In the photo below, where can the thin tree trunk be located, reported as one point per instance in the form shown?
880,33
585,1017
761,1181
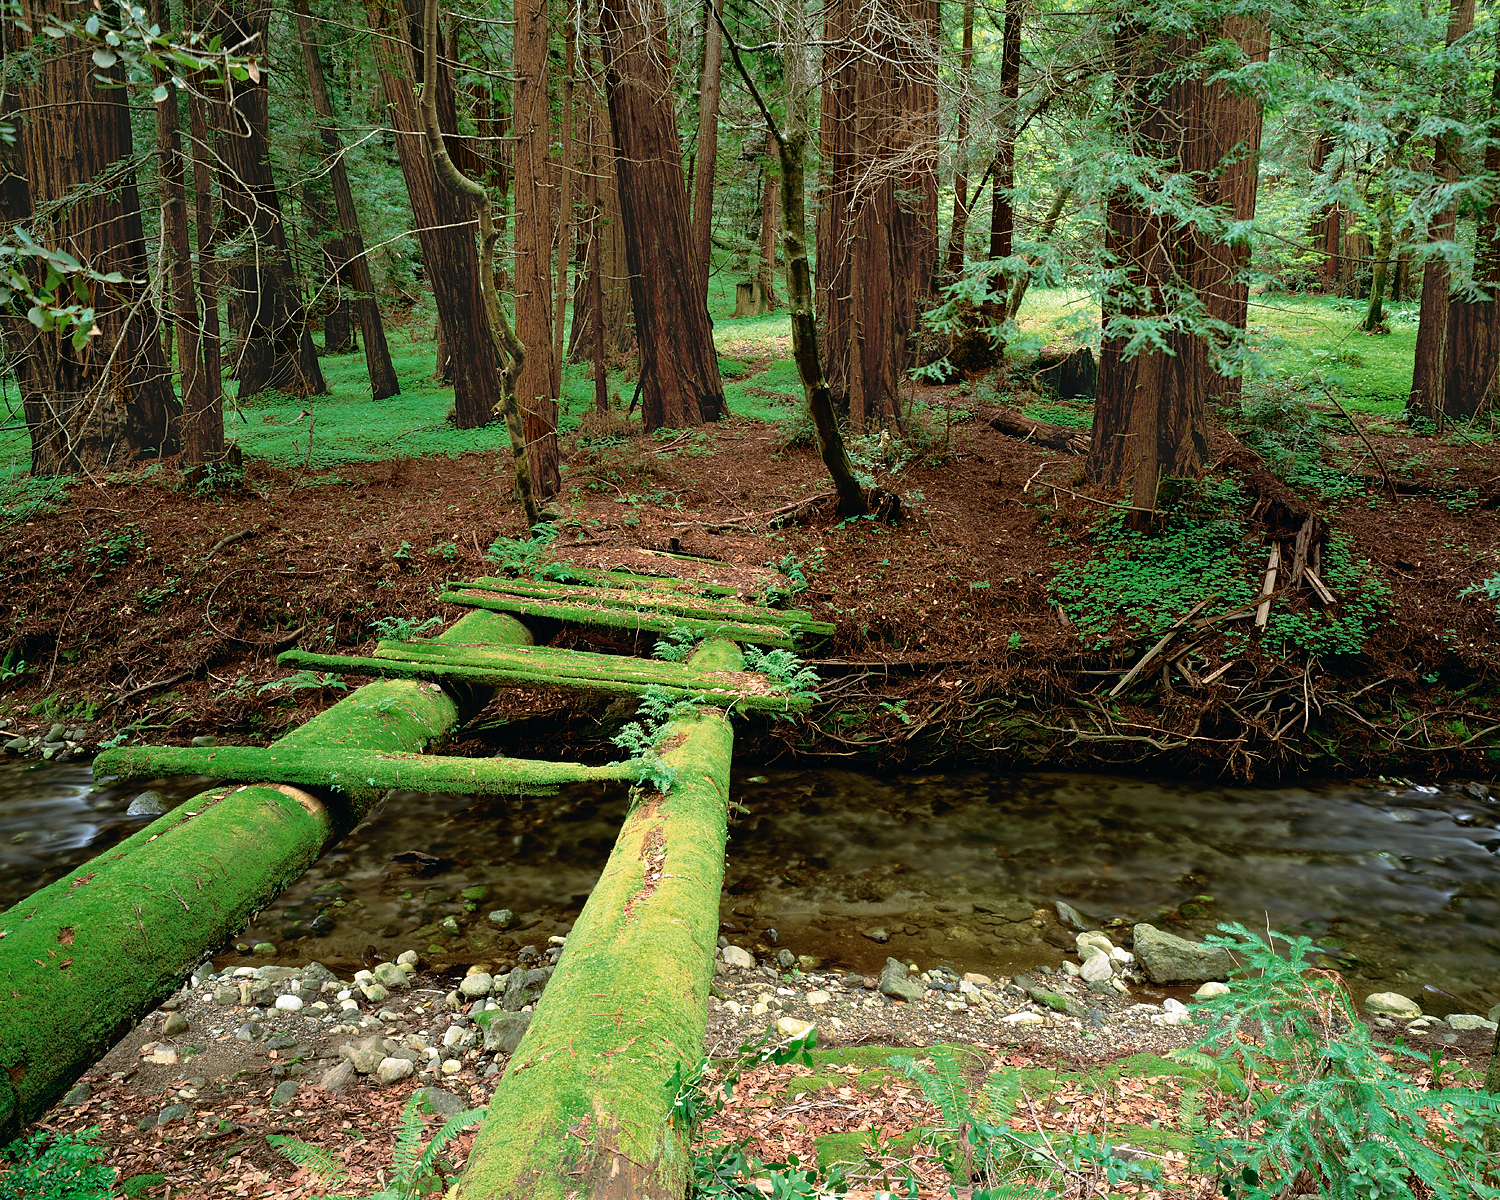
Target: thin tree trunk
1324,231
202,422
1002,212
770,220
708,145
614,270
108,402
533,245
565,220
680,384
206,231
1374,321
445,224
1428,396
382,372
958,231
274,348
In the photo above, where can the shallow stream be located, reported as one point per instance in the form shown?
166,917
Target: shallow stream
1398,883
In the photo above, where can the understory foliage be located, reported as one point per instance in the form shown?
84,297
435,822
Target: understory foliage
415,1172
1314,1097
65,1167
788,672
1294,439
532,558
659,707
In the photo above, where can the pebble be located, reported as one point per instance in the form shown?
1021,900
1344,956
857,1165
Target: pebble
1023,1018
878,934
285,1092
896,982
1212,988
818,996
407,958
481,984
786,960
391,976
791,1027
1097,968
392,1070
736,956
452,1066
174,1024
289,1003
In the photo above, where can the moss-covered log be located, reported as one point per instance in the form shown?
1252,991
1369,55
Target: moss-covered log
665,603
361,774
582,1110
82,960
572,670
603,617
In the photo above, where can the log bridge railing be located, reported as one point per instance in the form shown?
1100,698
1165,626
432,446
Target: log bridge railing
582,1109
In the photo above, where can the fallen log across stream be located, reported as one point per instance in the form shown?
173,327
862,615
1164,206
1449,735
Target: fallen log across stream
583,1107
85,958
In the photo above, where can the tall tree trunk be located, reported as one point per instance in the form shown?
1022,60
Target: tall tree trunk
1428,396
708,145
110,401
877,232
533,246
352,262
1325,230
202,422
1473,357
446,225
1149,419
958,230
1233,177
614,267
680,384
206,231
1002,212
1374,321
565,226
770,221
274,348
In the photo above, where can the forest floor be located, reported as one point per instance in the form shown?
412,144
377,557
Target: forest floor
997,618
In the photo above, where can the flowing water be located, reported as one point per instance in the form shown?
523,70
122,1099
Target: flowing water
1398,883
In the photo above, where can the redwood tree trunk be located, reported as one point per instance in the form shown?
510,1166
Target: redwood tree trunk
1325,231
1002,213
110,402
206,231
446,226
680,384
1473,357
770,222
612,272
877,230
1430,369
354,267
533,245
1149,418
274,348
708,145
958,230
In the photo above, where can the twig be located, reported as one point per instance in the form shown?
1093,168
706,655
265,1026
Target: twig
1379,462
57,645
229,540
1135,671
151,687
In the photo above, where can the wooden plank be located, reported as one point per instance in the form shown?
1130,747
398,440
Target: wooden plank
627,619
1273,564
686,606
751,694
356,771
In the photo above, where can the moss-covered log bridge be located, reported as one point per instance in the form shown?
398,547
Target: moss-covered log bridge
582,1110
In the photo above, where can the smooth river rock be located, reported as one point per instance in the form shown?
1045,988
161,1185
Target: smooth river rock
738,956
898,983
1393,1003
1167,958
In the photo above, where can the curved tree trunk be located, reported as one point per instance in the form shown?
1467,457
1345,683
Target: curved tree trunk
680,384
110,401
446,225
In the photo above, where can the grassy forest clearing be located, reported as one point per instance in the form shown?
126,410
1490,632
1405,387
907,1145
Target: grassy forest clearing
696,600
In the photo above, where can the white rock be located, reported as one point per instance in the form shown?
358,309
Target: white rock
344,994
363,976
554,940
1393,1003
407,958
1119,986
1213,988
1022,1018
348,1006
1173,1006
289,1003
393,1069
452,1066
1122,956
1471,1021
1097,968
818,996
163,1056
955,1006
1070,968
733,1006
736,956
481,984
977,979
243,972
790,1027
1095,939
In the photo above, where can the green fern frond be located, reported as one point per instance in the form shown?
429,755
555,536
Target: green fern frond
408,1146
317,1159
452,1127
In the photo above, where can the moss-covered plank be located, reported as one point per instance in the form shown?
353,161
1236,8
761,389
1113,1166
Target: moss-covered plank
643,601
358,772
611,618
82,960
737,690
657,583
582,1110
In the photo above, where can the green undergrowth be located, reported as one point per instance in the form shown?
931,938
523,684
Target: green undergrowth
64,1167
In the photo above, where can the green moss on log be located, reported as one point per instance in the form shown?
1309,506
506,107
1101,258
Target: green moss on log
583,1108
358,773
613,618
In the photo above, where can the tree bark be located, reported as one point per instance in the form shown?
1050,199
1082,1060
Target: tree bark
352,260
137,919
1374,321
446,225
613,278
1002,212
708,145
680,384
533,245
273,347
565,225
573,1116
877,231
206,231
958,230
770,220
1324,233
1149,419
1473,357
110,402
202,415
1430,369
